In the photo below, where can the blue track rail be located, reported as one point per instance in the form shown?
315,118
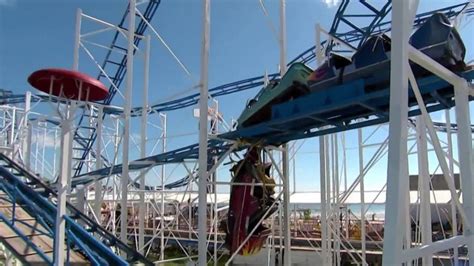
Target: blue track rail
216,148
307,56
82,233
340,108
357,35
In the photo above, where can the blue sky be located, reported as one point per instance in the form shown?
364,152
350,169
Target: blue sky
40,34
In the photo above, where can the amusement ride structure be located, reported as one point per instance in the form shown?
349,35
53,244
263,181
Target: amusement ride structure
83,199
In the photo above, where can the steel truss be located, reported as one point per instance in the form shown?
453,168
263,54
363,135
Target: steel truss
114,182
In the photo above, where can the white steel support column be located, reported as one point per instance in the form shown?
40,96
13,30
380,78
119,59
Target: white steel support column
362,196
27,132
98,165
322,176
12,140
163,174
143,141
29,144
203,109
77,40
80,198
424,188
126,129
397,174
65,174
466,170
328,203
319,55
285,157
454,218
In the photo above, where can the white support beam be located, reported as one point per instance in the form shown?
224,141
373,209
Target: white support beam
466,166
362,196
454,218
163,119
64,176
415,253
324,200
397,174
27,132
143,142
424,188
77,40
126,128
285,157
203,136
434,67
98,164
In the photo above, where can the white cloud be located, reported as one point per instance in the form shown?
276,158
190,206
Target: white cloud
329,3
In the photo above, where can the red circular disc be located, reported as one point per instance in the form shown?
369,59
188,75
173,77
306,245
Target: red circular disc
68,84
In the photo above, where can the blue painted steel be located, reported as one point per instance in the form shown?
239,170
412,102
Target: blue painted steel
335,109
39,206
357,35
28,242
306,56
103,253
215,148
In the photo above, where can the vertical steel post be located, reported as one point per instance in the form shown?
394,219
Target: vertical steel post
337,211
77,40
12,136
362,196
143,140
27,132
163,173
397,173
322,176
285,157
126,128
203,108
466,170
98,164
80,198
66,149
329,215
454,218
424,187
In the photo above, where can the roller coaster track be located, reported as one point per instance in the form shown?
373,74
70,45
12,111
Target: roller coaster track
353,37
29,219
85,134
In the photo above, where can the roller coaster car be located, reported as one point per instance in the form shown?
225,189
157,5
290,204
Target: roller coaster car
292,85
249,204
437,38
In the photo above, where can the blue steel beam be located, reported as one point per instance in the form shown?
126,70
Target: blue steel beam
319,113
24,184
326,112
216,148
306,56
378,26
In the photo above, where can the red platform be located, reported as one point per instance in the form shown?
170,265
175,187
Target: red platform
67,83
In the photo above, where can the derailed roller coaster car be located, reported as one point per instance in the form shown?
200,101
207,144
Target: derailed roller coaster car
249,204
436,37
